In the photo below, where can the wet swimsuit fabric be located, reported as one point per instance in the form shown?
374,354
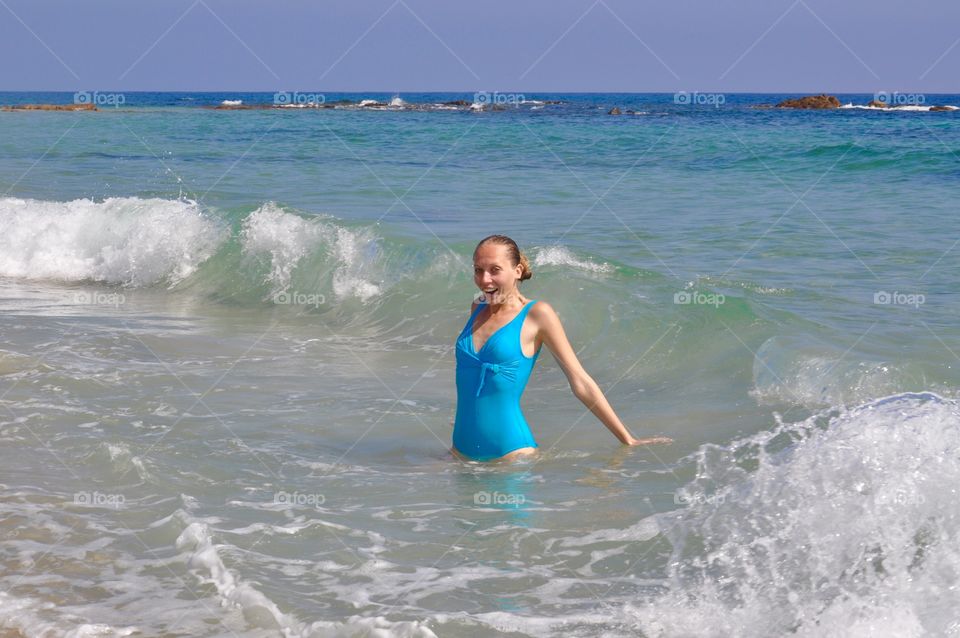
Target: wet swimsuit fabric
489,422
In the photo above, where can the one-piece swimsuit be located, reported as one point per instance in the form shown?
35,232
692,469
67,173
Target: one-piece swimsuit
489,422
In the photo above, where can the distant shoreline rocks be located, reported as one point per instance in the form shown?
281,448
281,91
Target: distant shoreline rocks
821,101
824,101
484,104
50,107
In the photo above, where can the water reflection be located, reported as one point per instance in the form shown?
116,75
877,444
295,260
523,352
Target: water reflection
497,495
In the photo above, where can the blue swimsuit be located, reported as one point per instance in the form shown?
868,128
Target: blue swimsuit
489,422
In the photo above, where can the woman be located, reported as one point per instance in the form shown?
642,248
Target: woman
496,352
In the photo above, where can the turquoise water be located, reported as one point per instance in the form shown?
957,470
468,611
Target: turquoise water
227,371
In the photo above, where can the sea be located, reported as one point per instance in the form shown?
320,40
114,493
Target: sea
227,367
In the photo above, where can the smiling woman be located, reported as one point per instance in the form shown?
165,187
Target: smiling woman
491,378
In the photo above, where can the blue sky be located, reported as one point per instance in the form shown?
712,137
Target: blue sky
498,45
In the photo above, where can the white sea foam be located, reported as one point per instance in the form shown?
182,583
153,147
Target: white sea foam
842,529
287,239
562,256
130,241
916,108
31,617
260,611
232,102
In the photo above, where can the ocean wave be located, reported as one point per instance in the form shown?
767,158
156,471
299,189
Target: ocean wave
31,617
285,259
285,239
137,242
130,241
563,256
233,591
803,371
179,244
833,526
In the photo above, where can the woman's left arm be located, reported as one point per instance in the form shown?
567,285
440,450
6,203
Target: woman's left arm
582,384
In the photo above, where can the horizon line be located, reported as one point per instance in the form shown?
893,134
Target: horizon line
468,91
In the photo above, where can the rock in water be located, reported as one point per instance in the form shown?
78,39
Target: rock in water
821,101
51,107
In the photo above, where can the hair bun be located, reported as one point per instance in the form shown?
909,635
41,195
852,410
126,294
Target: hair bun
525,264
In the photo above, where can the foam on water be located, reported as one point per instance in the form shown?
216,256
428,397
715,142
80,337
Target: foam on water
840,525
127,240
29,617
914,108
260,611
563,256
286,240
146,242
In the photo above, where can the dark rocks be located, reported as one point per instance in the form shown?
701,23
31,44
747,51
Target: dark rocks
821,101
51,107
614,111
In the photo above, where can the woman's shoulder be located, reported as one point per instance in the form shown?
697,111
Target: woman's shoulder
542,309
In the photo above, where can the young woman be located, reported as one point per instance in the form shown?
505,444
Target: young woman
496,352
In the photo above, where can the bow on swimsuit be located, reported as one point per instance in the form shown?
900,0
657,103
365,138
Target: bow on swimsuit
489,422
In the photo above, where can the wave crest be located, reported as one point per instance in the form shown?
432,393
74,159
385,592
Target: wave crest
833,526
130,241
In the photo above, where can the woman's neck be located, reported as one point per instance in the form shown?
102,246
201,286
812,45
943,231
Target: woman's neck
511,301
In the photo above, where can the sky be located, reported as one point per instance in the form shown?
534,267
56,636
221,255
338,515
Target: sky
802,46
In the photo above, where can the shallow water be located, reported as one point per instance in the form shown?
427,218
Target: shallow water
227,391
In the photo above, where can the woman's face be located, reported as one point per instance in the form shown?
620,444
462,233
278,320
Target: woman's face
494,274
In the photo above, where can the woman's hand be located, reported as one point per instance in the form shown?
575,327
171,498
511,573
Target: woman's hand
653,440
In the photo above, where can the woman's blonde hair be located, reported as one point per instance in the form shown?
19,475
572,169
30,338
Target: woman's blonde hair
513,252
